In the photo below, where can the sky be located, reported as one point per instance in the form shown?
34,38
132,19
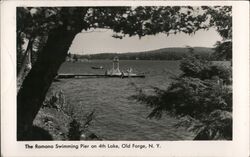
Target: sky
101,41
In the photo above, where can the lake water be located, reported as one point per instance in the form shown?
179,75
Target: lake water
116,116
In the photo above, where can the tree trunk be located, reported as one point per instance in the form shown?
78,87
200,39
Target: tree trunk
35,86
21,73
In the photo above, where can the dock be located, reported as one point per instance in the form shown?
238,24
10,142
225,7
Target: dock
67,76
114,72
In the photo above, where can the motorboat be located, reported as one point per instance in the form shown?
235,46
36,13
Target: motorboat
97,67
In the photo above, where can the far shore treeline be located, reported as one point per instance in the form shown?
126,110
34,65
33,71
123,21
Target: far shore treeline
173,53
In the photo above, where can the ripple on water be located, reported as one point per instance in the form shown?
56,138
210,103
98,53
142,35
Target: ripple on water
116,116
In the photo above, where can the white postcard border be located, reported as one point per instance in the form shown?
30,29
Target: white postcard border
237,147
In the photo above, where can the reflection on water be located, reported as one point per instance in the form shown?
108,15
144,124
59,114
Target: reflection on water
117,117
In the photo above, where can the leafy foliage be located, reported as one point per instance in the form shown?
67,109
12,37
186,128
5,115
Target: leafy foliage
141,21
77,127
197,67
217,126
223,50
61,24
221,18
56,101
189,96
38,22
202,93
74,131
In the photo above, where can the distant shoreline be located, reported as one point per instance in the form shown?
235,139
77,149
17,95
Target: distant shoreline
196,47
159,54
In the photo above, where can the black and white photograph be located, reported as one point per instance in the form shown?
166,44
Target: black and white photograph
130,79
124,73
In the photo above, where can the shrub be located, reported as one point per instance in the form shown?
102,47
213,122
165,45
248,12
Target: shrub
57,101
189,96
80,131
74,133
201,93
196,67
223,50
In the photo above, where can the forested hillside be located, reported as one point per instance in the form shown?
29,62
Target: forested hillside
173,53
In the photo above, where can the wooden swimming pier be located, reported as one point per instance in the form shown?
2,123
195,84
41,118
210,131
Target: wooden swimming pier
114,72
67,76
